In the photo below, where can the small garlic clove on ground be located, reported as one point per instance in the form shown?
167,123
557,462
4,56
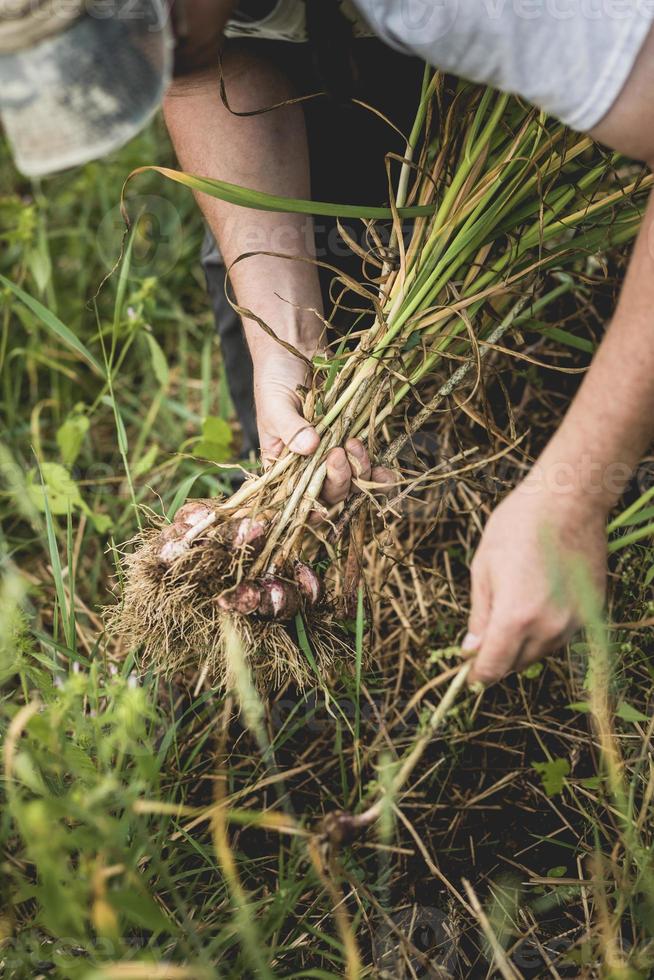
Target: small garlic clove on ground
339,827
308,582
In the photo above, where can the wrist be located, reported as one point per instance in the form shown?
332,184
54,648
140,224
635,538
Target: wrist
580,477
303,332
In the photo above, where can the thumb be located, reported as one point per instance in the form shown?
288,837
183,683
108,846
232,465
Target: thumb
281,423
480,609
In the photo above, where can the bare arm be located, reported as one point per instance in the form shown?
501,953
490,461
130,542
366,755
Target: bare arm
611,420
266,152
519,611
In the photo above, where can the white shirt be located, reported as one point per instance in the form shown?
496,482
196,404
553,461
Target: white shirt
568,57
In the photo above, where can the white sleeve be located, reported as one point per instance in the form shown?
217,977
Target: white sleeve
568,57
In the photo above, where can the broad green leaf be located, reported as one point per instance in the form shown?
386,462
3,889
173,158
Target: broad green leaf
70,436
53,324
215,429
216,441
557,872
101,522
63,495
62,491
26,772
627,712
591,782
533,671
552,774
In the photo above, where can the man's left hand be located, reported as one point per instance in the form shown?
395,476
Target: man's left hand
523,603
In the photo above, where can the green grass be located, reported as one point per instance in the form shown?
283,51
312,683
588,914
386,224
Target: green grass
149,830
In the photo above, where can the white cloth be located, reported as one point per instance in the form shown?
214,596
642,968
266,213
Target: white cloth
568,57
286,21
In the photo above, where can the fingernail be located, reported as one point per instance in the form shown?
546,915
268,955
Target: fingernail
471,642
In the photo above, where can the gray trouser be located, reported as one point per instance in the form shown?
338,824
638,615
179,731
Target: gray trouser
235,353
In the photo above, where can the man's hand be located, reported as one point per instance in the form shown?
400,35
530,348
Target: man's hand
277,377
519,611
522,604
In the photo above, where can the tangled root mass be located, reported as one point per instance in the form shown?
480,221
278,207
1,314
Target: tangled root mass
186,594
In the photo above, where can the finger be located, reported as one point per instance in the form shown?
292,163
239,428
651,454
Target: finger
317,516
480,610
339,475
535,649
305,440
389,478
532,651
358,459
500,648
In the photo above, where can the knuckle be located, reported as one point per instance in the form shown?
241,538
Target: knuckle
556,627
359,463
380,474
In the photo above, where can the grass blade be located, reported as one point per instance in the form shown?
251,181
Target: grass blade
247,198
53,324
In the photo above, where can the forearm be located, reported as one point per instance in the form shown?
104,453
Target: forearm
266,152
611,420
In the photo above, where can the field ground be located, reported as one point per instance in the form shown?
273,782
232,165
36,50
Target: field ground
118,859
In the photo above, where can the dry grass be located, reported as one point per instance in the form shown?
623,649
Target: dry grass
511,195
156,827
